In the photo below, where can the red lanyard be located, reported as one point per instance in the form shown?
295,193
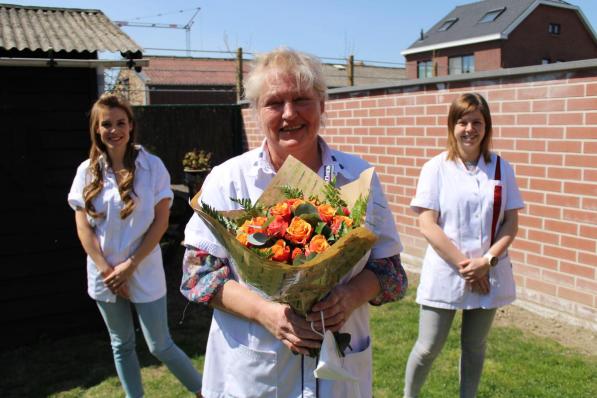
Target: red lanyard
497,199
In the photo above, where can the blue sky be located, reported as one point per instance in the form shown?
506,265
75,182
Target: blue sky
374,30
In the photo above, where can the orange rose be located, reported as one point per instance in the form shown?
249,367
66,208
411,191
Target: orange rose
294,203
277,227
318,244
299,231
243,238
281,209
295,252
326,212
280,251
337,222
253,225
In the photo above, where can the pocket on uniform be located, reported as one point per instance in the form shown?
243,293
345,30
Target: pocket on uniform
251,373
501,279
359,365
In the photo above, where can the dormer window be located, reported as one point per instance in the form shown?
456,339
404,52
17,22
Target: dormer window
447,25
554,28
492,15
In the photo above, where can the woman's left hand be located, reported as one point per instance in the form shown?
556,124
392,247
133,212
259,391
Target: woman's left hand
119,277
472,270
336,307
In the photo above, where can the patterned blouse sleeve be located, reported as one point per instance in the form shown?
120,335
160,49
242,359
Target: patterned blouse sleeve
203,275
392,279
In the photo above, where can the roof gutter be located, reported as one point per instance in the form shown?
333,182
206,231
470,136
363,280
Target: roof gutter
455,43
72,63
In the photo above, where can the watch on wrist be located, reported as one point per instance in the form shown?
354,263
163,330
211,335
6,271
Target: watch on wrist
491,259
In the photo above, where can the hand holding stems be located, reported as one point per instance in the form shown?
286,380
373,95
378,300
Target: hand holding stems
337,307
289,327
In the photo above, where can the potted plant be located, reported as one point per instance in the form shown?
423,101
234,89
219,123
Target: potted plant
196,165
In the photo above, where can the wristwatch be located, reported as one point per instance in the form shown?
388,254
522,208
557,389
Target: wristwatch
491,259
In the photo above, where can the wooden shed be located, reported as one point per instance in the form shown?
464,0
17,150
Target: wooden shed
50,75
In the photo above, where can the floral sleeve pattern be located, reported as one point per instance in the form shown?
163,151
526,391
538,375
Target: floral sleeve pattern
203,275
392,279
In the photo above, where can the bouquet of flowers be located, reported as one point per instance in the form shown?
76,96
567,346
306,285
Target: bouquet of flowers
300,237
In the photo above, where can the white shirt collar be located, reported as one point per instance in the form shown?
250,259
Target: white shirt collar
141,160
329,157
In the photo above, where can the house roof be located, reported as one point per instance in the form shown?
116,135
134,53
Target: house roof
61,29
214,71
186,71
467,28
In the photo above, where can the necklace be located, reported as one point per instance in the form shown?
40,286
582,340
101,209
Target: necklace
470,164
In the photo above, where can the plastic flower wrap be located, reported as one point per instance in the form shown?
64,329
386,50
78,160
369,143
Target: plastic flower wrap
300,237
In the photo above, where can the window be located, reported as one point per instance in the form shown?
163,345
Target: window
424,69
463,64
554,28
492,15
447,25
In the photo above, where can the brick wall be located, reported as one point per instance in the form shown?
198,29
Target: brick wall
545,125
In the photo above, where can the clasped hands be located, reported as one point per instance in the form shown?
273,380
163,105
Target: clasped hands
476,272
116,279
295,331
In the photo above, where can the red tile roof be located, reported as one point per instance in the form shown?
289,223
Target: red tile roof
192,71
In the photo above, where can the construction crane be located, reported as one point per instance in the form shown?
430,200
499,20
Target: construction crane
187,27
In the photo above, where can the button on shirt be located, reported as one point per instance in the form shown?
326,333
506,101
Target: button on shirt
248,175
118,238
464,200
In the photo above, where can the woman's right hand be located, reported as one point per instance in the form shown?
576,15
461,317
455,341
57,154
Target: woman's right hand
288,327
121,290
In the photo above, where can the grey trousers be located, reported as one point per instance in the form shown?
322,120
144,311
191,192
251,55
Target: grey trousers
434,326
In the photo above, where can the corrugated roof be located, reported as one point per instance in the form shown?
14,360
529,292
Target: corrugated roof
61,29
222,72
468,27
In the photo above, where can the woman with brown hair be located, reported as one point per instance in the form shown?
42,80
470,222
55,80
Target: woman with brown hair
121,196
467,201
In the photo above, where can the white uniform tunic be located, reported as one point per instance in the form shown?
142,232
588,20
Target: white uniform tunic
243,359
464,201
120,238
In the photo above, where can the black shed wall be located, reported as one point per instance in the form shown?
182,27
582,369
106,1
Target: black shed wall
44,135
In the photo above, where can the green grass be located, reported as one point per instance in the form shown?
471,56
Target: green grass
517,363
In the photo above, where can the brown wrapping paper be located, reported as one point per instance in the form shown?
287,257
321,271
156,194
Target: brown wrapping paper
303,285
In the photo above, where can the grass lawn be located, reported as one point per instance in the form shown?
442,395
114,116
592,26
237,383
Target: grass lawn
517,365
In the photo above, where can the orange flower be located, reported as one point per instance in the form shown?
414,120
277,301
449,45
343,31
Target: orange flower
243,238
318,244
295,252
326,212
281,209
337,222
277,227
294,203
299,231
280,251
253,225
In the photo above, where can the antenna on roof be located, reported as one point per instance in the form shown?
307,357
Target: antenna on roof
186,27
422,35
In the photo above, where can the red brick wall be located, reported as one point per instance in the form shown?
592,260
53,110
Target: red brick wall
545,125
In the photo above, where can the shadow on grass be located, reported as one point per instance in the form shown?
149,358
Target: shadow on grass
81,361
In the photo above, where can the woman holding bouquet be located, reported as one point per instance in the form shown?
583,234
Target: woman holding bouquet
121,196
469,229
257,347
